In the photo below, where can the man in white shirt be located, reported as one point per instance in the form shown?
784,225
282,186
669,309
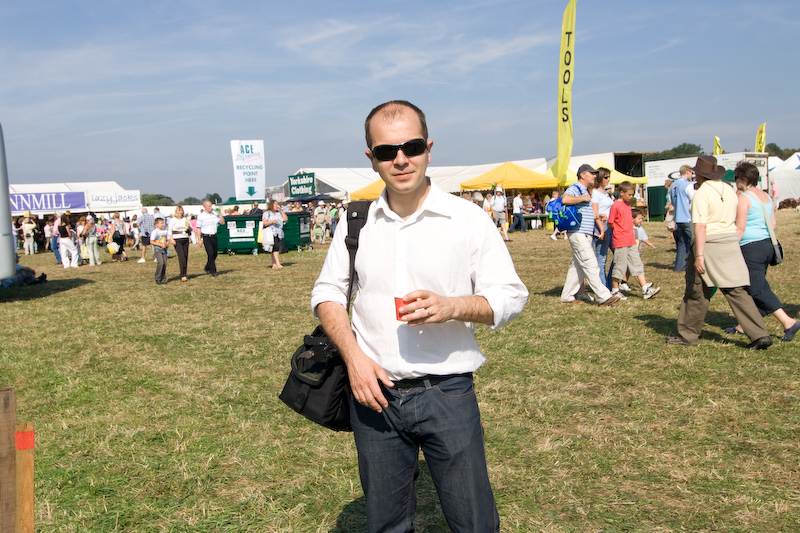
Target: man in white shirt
207,223
411,378
519,216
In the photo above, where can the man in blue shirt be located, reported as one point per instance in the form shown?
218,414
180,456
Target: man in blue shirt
680,194
147,223
584,260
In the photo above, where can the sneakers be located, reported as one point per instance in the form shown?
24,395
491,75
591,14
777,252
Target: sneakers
611,300
648,291
619,295
624,287
141,260
584,297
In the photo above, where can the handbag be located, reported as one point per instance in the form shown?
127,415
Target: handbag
777,257
318,386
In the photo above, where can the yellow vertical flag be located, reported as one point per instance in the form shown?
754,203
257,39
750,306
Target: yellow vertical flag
761,138
566,75
717,146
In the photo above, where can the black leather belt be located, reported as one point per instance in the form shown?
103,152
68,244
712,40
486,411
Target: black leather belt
426,381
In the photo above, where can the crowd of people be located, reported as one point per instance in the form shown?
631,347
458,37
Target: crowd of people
606,246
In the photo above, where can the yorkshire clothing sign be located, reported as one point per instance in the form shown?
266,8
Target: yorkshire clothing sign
302,185
249,174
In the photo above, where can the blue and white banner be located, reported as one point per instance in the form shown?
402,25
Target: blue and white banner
47,202
249,174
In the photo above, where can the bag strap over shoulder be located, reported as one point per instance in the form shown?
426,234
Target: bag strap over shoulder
356,219
767,219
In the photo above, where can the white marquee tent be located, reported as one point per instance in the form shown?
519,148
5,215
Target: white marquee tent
787,176
340,182
78,197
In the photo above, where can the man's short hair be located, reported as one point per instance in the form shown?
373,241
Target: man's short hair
626,186
685,168
391,111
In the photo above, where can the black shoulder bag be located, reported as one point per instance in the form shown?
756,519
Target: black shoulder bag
318,387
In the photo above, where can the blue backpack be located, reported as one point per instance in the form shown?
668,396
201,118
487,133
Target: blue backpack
565,217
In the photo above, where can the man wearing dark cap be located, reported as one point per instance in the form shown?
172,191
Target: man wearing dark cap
715,260
584,259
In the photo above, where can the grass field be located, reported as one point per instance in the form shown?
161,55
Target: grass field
156,407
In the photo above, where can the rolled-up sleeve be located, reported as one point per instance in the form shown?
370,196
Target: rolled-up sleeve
495,277
331,286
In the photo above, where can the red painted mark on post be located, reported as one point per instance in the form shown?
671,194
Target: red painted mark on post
24,440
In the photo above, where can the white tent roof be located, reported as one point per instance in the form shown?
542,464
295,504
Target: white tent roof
98,196
773,162
576,161
83,186
449,179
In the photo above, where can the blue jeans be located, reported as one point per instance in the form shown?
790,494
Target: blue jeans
443,420
54,246
683,241
601,250
519,220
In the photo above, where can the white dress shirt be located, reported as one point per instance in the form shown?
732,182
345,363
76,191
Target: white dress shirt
207,223
449,247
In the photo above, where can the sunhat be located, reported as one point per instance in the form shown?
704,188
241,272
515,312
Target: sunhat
708,168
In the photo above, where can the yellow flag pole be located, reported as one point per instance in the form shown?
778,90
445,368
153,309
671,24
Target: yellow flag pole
761,138
565,78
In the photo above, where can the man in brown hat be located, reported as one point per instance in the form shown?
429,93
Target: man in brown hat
715,260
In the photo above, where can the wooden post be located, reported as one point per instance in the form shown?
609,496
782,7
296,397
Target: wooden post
24,445
8,461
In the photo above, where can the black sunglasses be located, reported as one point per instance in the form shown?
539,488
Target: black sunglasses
412,148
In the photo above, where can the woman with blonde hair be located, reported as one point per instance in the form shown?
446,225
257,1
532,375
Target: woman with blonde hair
179,230
274,219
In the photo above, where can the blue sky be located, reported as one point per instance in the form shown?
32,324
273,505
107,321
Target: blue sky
149,93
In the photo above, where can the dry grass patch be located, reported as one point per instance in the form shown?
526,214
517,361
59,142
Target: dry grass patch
156,407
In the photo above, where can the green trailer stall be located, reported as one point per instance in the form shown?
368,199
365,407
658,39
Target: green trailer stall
297,230
239,234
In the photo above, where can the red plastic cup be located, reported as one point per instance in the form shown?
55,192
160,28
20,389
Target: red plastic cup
398,303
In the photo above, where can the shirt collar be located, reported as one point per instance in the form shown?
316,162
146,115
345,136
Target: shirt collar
435,203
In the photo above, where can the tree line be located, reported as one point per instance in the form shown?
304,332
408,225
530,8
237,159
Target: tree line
694,150
162,199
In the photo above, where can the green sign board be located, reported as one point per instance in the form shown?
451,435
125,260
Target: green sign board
302,185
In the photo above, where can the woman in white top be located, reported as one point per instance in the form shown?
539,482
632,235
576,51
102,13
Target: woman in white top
179,230
601,205
274,219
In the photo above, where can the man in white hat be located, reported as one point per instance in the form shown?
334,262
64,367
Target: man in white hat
500,210
319,220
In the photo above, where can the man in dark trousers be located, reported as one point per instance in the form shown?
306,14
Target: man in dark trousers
429,267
